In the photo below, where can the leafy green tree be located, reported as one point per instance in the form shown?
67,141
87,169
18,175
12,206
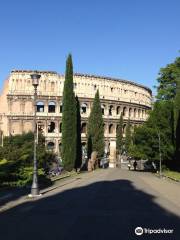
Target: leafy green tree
69,119
95,131
145,137
16,158
177,121
119,135
78,161
167,81
128,137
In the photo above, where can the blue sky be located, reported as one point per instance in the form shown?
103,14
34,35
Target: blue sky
129,39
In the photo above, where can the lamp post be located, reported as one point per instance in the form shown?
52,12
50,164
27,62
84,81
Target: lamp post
35,188
160,159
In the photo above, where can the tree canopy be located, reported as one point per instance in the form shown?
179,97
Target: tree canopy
96,128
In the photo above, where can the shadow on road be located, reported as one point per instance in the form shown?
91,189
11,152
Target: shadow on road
102,210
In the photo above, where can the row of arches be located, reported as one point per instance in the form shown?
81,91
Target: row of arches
53,107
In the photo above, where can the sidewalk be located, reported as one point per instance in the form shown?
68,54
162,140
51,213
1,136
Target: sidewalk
14,197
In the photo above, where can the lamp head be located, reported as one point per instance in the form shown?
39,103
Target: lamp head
35,79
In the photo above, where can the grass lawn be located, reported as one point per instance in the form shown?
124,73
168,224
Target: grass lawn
172,174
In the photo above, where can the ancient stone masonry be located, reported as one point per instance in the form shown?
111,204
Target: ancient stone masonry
117,96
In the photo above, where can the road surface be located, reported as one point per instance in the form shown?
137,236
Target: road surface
104,204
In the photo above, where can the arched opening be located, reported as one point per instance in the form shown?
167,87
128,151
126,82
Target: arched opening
139,113
135,112
40,126
40,106
51,107
83,128
110,110
111,128
124,128
117,128
102,108
118,110
130,112
51,127
61,108
83,107
60,127
50,146
124,111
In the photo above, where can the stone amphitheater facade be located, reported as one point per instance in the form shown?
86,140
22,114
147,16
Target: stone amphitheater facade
117,96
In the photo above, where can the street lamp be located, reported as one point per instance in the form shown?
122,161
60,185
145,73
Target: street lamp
160,155
35,188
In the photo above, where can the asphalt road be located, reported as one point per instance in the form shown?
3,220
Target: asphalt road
105,204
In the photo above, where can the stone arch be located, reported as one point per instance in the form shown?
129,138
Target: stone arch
103,108
51,127
118,110
124,111
124,128
61,107
41,126
111,128
40,106
84,127
50,146
51,107
60,127
130,112
110,110
84,108
135,112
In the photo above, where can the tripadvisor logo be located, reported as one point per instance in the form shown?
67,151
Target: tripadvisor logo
139,231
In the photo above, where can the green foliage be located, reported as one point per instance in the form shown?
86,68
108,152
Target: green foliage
69,119
96,128
17,159
119,136
128,138
78,161
146,143
164,120
168,80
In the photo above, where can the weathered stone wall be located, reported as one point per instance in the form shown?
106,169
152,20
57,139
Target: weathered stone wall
117,96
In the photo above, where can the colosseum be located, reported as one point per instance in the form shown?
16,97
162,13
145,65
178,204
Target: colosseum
117,96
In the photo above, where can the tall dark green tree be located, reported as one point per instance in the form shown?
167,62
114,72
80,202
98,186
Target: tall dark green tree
119,136
128,137
95,131
69,119
78,161
177,121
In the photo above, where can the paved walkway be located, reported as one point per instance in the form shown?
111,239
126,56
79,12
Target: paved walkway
105,204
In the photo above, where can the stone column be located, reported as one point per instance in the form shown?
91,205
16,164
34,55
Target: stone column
112,156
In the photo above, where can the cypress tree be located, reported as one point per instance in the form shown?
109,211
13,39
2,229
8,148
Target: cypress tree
128,139
69,129
119,136
95,128
78,161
